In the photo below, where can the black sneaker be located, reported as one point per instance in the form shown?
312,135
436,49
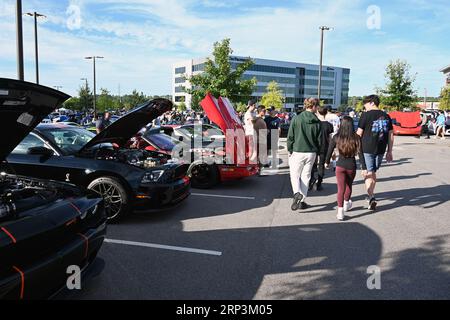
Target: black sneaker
303,206
372,204
298,197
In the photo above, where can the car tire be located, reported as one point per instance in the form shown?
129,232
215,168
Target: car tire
204,176
115,195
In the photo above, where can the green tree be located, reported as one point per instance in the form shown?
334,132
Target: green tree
219,79
359,106
86,98
181,106
399,92
273,96
444,102
73,103
134,99
105,101
241,107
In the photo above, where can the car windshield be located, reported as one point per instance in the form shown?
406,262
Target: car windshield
161,140
70,140
201,132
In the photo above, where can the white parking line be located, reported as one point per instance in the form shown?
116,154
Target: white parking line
164,247
221,196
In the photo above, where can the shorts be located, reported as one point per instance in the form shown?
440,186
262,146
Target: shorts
373,161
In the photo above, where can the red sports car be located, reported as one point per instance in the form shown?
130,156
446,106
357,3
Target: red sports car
205,174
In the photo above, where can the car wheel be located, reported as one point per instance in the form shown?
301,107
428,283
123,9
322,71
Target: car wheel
115,195
204,176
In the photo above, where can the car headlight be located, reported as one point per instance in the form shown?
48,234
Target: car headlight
152,176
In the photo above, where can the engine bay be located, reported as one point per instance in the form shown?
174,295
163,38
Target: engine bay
140,158
19,194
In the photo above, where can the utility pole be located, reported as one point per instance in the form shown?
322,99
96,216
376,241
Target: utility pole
322,29
19,40
95,82
36,48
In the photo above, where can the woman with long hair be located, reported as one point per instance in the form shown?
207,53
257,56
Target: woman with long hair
348,144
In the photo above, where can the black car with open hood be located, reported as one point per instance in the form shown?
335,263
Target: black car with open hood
129,180
45,226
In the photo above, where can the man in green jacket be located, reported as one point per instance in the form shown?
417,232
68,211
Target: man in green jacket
303,144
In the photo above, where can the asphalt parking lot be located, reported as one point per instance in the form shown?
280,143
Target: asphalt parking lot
242,241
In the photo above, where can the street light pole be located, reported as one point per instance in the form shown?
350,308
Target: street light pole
36,49
95,82
322,29
19,39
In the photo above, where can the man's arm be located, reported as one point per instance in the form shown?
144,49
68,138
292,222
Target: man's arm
290,138
389,156
360,132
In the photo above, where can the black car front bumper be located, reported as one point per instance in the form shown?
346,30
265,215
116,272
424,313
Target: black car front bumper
151,198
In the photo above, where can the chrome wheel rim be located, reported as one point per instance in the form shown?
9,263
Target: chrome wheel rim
112,198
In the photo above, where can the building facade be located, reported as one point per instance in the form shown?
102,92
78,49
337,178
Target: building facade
297,81
446,72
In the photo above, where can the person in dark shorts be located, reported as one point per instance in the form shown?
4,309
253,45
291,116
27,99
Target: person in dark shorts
375,129
348,144
273,133
325,136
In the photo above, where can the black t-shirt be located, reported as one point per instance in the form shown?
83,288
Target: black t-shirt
376,125
327,130
273,123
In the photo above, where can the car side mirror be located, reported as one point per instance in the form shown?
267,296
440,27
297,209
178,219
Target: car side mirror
40,151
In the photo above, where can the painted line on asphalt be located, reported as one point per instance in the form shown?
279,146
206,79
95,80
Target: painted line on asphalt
221,196
164,247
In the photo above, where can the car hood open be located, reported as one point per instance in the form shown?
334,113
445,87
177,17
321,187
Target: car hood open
122,130
221,112
23,106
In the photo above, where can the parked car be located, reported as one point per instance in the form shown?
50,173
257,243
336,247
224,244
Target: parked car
45,226
205,142
406,123
127,179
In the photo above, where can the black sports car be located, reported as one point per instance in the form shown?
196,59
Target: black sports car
127,179
45,226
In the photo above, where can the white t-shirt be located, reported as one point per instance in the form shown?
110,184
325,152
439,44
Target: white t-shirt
249,117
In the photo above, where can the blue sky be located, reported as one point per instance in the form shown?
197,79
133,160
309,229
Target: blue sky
141,39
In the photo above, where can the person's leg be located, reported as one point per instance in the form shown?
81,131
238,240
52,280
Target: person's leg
295,169
369,180
320,171
341,182
308,161
349,178
313,179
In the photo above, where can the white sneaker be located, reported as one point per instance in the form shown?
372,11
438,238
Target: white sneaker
348,205
340,214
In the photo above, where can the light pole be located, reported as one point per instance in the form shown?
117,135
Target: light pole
95,84
36,50
19,40
322,29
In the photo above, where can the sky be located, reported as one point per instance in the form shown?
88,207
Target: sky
141,39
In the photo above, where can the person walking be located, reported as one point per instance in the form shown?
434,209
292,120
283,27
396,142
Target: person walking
440,125
424,124
375,129
319,166
303,144
348,144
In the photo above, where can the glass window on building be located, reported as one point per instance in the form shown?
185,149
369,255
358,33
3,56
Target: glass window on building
180,89
198,67
180,70
180,80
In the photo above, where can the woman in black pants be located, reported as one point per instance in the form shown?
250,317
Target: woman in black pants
348,144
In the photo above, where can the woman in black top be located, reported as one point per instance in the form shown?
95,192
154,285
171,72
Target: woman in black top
348,144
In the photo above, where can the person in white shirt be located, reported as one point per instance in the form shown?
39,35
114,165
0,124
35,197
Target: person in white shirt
249,121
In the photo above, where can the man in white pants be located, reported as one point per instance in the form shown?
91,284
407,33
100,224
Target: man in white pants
303,144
